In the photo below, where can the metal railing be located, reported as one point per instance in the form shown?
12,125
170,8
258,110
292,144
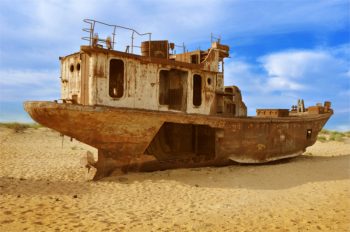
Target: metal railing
181,46
215,38
93,36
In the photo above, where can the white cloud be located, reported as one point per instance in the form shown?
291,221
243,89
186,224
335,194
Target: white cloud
279,79
281,83
294,64
253,82
286,70
181,20
17,77
20,85
241,73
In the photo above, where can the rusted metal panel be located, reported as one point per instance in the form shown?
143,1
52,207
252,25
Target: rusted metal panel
126,133
84,79
315,110
272,113
109,127
158,49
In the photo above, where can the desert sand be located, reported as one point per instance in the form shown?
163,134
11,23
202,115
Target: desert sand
44,186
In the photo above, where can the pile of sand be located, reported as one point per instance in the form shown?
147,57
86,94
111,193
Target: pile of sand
44,187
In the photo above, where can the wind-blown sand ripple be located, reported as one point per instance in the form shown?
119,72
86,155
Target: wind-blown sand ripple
44,187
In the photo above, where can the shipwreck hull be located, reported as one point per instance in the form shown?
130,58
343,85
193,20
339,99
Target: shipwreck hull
131,139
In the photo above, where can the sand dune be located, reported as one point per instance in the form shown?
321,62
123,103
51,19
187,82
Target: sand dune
44,187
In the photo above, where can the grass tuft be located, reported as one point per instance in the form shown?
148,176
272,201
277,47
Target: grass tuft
322,138
336,137
325,131
19,127
329,135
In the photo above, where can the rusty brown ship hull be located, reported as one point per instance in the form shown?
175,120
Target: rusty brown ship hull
143,139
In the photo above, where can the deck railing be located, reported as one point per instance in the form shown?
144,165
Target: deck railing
110,41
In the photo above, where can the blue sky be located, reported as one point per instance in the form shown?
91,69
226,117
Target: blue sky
280,50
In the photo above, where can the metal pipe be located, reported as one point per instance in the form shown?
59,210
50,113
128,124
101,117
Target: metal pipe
149,45
132,42
114,28
92,31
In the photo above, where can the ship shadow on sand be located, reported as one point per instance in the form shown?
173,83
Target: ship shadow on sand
277,175
280,174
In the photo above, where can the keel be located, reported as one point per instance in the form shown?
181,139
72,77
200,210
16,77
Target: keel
108,163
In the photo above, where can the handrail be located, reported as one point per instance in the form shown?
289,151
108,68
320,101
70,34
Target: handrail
181,46
215,37
91,32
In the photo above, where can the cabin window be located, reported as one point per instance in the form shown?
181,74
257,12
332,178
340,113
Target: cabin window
209,81
231,108
116,78
308,133
194,59
221,66
197,90
71,68
228,90
172,88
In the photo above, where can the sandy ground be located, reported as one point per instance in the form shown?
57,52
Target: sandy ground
43,187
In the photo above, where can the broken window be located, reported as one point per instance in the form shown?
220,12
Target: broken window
172,89
194,59
231,108
229,90
221,66
116,78
197,90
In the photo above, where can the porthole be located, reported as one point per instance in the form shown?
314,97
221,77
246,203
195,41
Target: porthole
71,68
209,81
78,67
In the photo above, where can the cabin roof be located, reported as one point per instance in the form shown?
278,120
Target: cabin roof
143,59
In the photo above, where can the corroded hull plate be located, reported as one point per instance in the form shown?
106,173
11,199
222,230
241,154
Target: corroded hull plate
122,136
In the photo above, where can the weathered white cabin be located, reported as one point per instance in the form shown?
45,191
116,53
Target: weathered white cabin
191,82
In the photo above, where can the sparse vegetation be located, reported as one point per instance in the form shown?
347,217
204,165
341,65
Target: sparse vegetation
325,131
347,134
336,137
19,127
328,135
322,138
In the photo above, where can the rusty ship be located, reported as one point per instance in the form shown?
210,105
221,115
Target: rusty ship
159,109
